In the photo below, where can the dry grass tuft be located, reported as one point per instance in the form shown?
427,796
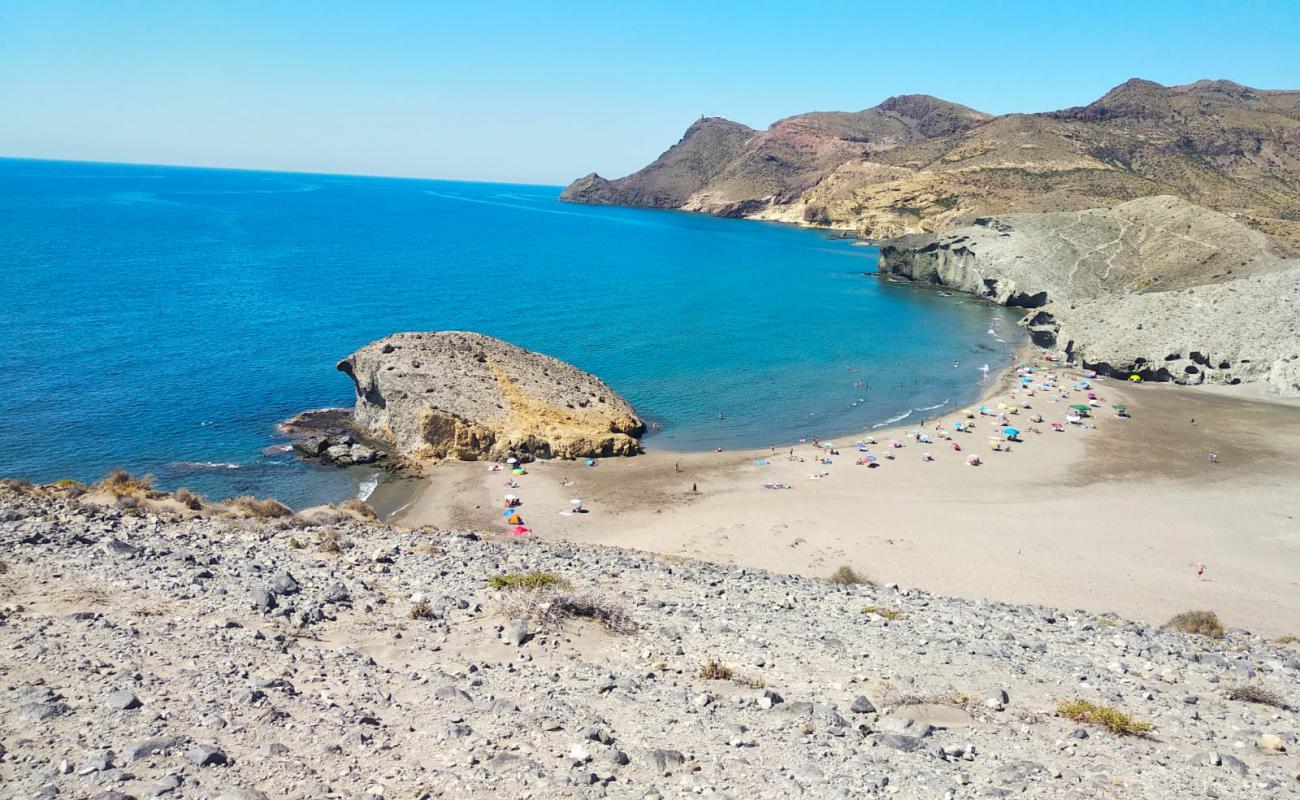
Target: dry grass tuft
119,483
881,611
845,576
427,549
16,485
535,579
188,499
1200,623
1111,719
420,610
331,541
1250,693
4,567
715,670
1287,638
547,607
249,506
358,507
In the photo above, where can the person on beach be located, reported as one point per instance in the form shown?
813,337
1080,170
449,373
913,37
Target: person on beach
694,488
1214,457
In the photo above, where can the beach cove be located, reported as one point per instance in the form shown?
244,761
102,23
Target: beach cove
1115,517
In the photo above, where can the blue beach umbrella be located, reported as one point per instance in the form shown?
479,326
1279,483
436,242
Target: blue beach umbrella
1011,431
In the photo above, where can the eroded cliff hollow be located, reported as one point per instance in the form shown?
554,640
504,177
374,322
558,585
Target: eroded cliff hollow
461,395
1157,286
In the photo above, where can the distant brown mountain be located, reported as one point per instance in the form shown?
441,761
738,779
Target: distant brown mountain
917,164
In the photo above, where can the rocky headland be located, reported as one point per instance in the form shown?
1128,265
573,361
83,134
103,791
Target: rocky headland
1136,205
461,395
158,652
1158,286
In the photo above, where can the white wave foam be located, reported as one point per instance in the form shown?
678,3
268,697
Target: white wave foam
994,334
368,487
892,420
205,465
933,407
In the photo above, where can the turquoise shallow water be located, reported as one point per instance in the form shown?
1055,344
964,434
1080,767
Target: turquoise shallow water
164,319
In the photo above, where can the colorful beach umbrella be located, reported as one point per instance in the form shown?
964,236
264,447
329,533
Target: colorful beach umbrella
1011,431
1079,407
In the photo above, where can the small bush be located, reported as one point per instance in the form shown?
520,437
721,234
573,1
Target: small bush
1287,638
294,544
358,507
536,579
188,499
331,541
427,549
420,610
120,483
881,611
715,670
4,567
845,576
249,506
1111,719
548,608
1200,623
1249,693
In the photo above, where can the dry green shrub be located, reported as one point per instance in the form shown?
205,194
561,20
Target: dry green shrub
1111,719
331,541
1250,693
845,576
536,579
70,488
428,549
119,483
16,484
1199,623
420,610
294,544
249,506
1287,638
188,499
749,682
358,507
715,670
548,607
4,567
881,611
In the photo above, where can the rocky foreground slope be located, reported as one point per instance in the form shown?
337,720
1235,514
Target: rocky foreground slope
454,394
149,655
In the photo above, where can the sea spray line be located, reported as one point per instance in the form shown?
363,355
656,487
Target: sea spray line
368,486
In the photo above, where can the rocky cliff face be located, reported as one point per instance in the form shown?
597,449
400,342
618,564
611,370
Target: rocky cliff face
454,394
1157,286
916,164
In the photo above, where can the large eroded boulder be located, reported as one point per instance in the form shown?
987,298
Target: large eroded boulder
455,394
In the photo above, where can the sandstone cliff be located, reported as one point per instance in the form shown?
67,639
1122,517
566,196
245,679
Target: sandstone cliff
915,163
1157,286
453,394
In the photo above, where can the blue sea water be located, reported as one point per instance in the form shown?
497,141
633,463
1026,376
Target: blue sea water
165,319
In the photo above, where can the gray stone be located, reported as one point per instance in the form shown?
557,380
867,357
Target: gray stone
284,583
516,633
206,755
861,705
147,747
122,701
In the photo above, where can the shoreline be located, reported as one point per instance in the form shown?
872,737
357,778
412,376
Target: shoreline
1114,517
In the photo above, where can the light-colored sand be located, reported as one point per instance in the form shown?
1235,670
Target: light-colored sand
1111,518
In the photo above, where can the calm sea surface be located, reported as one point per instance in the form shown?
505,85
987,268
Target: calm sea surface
164,320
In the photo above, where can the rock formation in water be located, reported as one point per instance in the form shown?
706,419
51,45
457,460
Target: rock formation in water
453,394
1158,286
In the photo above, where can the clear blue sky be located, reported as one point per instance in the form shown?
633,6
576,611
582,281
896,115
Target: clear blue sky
543,92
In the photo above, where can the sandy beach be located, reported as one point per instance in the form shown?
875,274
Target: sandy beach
1109,515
